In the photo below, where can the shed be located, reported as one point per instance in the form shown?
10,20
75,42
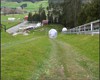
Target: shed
45,22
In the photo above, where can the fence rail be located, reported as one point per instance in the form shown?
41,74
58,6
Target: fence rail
89,28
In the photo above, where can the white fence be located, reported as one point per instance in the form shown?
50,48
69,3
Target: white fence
89,28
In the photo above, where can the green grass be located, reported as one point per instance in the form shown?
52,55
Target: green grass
20,61
30,6
6,38
21,16
86,44
20,57
9,24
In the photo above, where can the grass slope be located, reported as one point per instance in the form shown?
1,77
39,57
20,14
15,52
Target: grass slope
35,56
88,45
30,6
21,60
21,16
9,24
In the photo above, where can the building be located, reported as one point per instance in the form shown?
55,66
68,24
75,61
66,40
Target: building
45,22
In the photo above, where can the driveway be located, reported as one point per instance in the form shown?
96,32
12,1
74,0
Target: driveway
14,29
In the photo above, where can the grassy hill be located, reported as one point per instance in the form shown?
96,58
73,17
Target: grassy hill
9,24
30,6
36,57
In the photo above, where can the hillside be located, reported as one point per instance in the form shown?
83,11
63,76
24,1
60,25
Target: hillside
30,6
36,57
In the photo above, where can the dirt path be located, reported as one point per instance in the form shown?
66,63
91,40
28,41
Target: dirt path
66,64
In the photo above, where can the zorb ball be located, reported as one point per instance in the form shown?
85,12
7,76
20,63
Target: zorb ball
64,30
52,33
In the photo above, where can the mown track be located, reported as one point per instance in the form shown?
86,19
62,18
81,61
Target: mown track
64,63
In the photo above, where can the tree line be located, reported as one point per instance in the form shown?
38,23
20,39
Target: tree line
89,12
37,16
72,13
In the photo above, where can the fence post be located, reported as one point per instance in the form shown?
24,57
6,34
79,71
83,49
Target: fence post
70,31
79,29
84,29
91,28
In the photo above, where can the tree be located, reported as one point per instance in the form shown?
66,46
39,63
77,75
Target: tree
42,13
23,5
50,18
36,17
93,10
30,17
89,12
71,9
65,11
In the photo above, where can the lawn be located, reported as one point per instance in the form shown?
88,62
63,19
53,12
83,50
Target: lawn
22,56
20,61
9,24
87,45
31,7
21,16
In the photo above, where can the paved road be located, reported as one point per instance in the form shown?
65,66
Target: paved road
15,28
